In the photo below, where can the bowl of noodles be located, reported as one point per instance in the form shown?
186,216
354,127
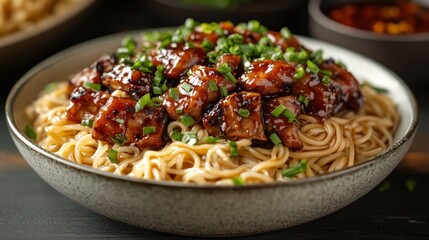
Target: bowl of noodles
25,26
120,133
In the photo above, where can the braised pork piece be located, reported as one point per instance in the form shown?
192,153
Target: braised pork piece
236,81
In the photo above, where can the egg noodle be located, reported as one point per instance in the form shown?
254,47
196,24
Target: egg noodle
16,15
342,141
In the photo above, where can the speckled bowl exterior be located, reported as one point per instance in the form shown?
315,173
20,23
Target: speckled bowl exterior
406,55
206,210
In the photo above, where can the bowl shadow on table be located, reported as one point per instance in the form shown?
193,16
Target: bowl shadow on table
406,55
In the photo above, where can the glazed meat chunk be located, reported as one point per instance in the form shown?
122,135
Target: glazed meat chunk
93,73
320,99
346,84
118,121
283,124
124,78
233,61
238,116
177,59
200,88
283,43
268,77
85,104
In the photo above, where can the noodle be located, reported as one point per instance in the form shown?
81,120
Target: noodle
339,142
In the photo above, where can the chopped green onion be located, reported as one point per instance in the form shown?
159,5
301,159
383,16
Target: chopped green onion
176,135
286,33
224,68
113,156
29,131
275,139
189,72
187,120
410,184
187,87
299,73
119,139
87,122
312,67
223,91
304,100
179,110
94,86
157,90
377,89
243,112
231,77
384,186
174,93
190,138
129,43
326,72
235,38
190,45
120,120
233,149
339,62
213,56
209,28
50,87
302,56
213,86
211,139
255,26
278,110
207,45
290,116
148,130
294,170
142,102
159,77
165,43
317,57
190,23
238,181
155,102
326,80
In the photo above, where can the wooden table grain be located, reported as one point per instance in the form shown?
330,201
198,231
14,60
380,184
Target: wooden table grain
31,209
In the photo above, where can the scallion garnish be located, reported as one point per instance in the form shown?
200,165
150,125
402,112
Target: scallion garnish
129,43
113,156
187,87
317,57
187,120
326,72
302,56
243,112
156,90
149,130
190,23
223,91
29,131
299,73
304,100
231,77
377,89
410,184
278,110
238,181
211,139
50,87
339,62
174,93
312,67
286,33
226,71
165,43
190,138
255,26
120,120
176,135
290,116
275,139
94,86
294,170
87,122
384,186
142,102
179,110
326,80
233,149
212,85
207,45
119,139
155,102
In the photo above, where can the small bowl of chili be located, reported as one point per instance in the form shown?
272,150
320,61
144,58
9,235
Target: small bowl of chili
393,32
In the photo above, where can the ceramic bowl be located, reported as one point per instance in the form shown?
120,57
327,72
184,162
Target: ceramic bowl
187,209
25,47
406,54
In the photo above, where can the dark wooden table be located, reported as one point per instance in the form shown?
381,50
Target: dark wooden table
31,209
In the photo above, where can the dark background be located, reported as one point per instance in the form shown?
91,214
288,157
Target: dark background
31,209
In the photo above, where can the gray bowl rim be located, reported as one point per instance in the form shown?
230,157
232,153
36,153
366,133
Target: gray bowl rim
77,49
317,14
